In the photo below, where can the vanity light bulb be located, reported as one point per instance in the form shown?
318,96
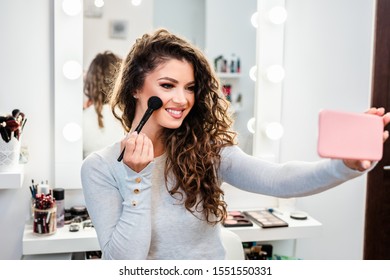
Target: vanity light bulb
275,73
277,15
72,70
274,131
72,132
99,3
255,19
136,2
251,125
71,7
253,73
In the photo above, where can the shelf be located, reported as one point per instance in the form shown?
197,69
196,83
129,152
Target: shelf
296,229
64,241
227,75
11,179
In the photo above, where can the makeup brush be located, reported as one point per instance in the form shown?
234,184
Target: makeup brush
154,103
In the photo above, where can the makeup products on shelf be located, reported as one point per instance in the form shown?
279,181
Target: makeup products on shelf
266,219
237,219
59,196
44,214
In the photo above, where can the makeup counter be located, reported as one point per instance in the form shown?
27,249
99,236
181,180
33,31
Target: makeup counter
66,242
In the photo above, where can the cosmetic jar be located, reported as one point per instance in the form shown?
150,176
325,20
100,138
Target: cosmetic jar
45,221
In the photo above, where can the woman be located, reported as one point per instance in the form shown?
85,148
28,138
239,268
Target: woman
100,127
164,200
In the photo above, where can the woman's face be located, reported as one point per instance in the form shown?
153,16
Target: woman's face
173,81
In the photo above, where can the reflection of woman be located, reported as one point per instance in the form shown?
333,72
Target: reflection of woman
100,128
164,200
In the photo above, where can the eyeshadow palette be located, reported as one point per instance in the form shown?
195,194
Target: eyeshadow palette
266,219
237,219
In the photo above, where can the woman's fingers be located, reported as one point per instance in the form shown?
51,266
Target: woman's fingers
376,111
363,165
139,151
385,135
386,118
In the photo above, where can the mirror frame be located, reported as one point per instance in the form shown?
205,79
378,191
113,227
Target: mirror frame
68,45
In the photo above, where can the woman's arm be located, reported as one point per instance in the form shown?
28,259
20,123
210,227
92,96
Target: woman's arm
291,179
119,204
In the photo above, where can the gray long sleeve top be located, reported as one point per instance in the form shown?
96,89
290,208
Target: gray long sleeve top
136,218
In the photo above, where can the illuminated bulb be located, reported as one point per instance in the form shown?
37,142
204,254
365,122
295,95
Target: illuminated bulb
251,125
72,132
99,3
253,73
71,7
275,73
277,15
274,131
72,70
136,2
255,19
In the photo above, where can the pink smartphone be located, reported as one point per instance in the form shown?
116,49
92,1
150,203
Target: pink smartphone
346,135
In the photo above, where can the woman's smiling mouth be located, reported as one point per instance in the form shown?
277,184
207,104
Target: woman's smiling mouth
175,112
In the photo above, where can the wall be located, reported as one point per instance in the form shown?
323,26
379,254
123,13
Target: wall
321,72
328,65
26,83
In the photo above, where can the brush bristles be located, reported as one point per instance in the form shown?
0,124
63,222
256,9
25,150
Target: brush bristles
154,102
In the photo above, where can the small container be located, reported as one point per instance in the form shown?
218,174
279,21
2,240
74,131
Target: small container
59,195
45,221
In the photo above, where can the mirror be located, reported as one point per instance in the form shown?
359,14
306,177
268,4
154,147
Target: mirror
218,27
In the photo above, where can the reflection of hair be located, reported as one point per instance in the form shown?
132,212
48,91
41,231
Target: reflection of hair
99,80
192,149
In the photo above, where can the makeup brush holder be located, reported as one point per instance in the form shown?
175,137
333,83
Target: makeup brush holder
9,154
45,221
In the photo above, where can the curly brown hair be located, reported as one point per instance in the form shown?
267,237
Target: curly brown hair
99,81
193,149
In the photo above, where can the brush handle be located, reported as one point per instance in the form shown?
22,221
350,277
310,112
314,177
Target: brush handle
121,155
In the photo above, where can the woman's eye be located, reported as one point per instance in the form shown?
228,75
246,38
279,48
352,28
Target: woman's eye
167,86
191,88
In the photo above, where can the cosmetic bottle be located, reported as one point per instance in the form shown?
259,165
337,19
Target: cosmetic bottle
44,188
59,195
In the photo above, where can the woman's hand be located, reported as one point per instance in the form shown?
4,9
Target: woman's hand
139,151
362,165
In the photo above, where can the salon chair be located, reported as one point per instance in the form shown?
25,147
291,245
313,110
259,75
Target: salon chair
233,245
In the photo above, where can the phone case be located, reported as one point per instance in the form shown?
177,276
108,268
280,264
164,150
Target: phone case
345,135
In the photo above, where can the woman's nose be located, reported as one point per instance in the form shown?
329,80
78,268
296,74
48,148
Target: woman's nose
180,97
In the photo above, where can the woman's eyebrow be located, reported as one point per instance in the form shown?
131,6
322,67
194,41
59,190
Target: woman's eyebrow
169,79
175,81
